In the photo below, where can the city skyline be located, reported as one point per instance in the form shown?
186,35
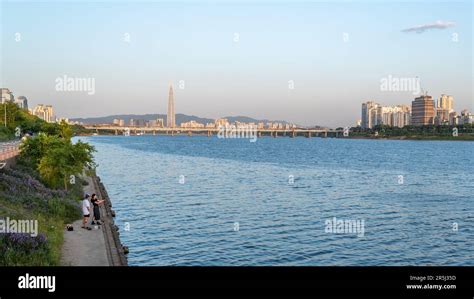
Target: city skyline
422,111
311,70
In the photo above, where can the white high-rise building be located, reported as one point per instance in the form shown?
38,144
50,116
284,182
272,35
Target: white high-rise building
466,117
45,112
444,107
369,115
401,116
170,119
446,102
375,114
221,122
7,95
22,102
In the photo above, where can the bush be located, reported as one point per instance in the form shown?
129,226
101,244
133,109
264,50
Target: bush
57,158
23,196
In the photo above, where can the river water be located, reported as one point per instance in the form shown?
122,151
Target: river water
207,201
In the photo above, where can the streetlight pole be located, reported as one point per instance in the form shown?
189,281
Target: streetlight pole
5,114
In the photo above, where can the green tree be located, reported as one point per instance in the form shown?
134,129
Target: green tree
56,158
65,130
63,159
35,148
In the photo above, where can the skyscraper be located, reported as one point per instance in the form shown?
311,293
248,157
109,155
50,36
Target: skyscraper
7,95
446,102
422,111
369,115
45,112
374,114
443,108
170,119
402,116
394,116
22,102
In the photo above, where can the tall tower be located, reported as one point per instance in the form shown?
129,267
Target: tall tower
170,119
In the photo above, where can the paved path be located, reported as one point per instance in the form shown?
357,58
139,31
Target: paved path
83,247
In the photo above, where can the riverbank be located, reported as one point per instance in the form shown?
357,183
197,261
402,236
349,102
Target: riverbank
24,197
101,245
425,138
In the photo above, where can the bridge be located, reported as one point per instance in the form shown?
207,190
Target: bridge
212,131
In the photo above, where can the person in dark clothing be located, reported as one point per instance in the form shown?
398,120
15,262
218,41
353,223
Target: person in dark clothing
95,203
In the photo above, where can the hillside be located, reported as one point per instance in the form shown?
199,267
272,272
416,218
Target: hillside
24,197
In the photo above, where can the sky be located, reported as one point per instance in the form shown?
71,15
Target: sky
311,63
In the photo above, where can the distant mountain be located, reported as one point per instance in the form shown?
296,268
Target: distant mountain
180,118
246,119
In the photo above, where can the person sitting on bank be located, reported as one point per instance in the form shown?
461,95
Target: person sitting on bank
96,202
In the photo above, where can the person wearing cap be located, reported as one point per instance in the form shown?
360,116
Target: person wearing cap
86,211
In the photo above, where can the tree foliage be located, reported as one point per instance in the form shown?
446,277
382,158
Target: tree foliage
408,131
49,148
57,158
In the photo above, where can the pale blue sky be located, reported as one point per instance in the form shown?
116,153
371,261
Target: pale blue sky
193,41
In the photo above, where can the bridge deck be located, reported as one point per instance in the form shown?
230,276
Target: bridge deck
151,129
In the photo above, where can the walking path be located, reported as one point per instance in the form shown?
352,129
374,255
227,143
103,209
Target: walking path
83,247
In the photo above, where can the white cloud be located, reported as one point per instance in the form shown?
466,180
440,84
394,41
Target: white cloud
437,25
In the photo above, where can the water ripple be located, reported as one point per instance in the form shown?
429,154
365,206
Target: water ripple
230,184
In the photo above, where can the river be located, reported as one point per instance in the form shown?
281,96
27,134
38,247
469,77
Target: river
207,201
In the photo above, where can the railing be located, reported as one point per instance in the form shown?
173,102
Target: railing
9,150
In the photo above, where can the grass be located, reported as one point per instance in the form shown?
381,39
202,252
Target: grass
23,196
51,227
